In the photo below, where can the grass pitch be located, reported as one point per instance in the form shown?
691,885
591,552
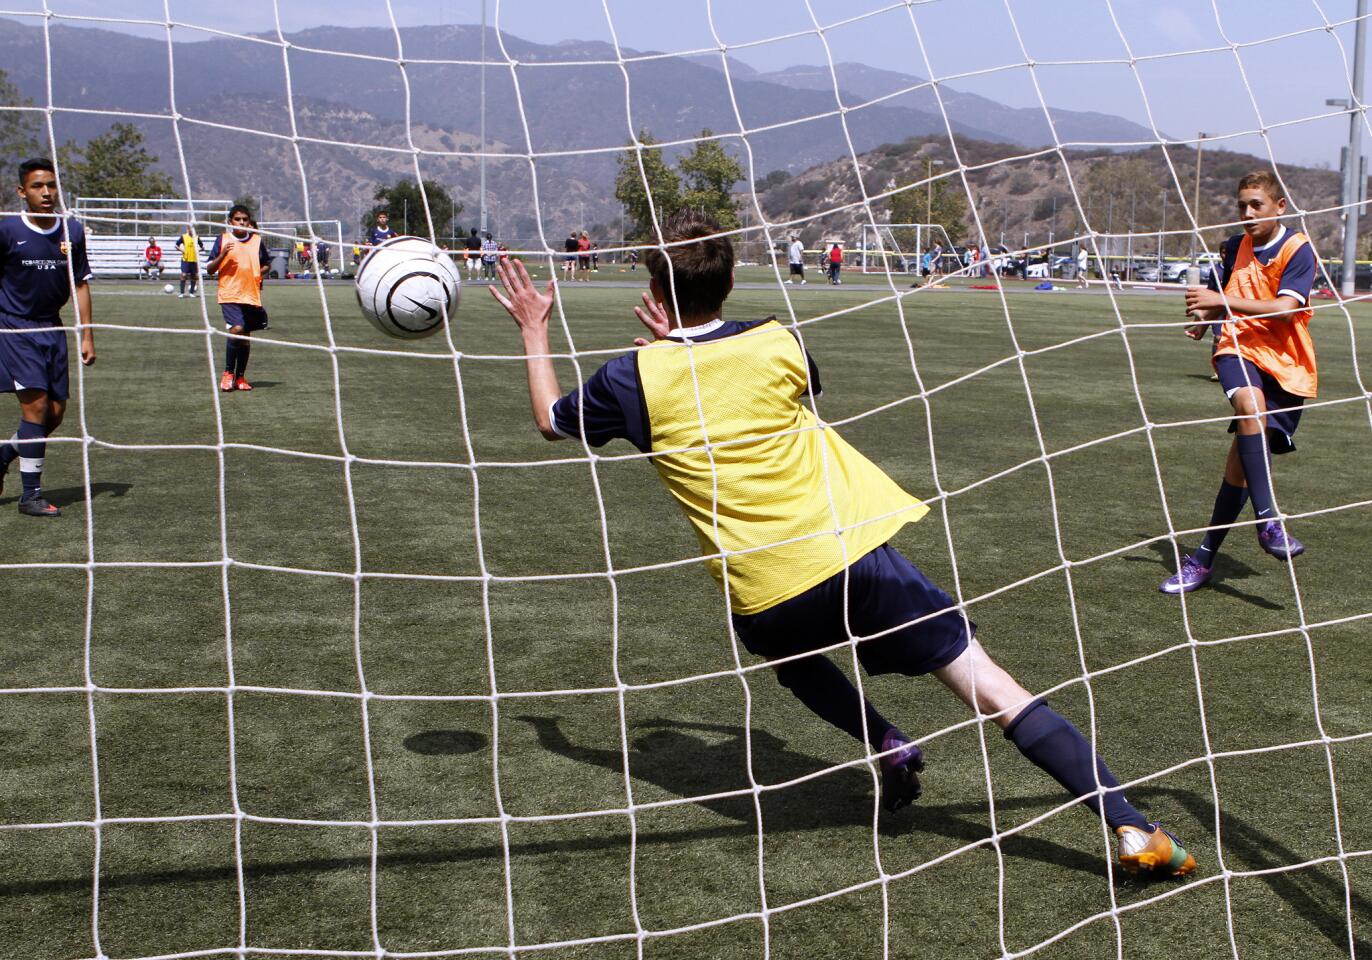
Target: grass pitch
521,602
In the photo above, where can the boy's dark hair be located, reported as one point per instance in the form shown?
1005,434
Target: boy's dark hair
1262,180
238,208
34,165
701,274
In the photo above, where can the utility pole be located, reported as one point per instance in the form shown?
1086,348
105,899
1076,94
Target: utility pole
1162,231
1353,181
1195,208
483,116
929,164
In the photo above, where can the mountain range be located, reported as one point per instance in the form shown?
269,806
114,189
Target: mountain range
277,121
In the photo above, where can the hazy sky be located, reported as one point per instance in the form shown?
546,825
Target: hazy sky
1202,89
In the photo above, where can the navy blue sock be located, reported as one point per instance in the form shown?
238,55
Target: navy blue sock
241,364
1055,746
230,355
33,448
1228,505
1253,454
828,692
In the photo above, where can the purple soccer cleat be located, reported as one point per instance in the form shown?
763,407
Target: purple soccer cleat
1191,576
1273,538
899,770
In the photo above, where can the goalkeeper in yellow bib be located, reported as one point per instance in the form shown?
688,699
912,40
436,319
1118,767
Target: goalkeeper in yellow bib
797,522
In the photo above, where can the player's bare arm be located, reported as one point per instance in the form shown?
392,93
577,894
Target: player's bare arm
83,322
1203,298
530,309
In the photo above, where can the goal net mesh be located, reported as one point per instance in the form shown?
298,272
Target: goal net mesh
530,604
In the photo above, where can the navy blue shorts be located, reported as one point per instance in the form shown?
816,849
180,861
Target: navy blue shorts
885,590
36,360
188,267
1235,372
244,315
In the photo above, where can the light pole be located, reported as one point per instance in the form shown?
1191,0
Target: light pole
483,116
1353,180
929,165
1195,209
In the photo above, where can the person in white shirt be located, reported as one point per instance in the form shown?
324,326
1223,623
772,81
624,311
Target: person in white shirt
795,255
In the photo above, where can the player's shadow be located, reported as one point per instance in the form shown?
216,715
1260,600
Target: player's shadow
673,756
1227,570
68,496
1315,894
266,384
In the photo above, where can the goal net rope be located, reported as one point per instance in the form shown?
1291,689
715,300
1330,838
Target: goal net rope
891,291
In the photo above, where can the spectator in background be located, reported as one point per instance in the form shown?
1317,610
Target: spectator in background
473,245
795,256
490,255
152,260
583,258
323,257
569,248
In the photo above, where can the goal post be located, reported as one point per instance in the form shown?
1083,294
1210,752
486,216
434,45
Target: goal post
899,247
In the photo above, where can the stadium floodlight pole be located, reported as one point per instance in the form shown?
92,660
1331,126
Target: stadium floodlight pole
483,116
1352,173
930,164
1162,230
1195,209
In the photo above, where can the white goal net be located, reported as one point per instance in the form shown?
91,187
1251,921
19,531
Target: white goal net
357,666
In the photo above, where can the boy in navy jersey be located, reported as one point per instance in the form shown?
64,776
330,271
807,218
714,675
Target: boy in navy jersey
36,281
795,524
382,231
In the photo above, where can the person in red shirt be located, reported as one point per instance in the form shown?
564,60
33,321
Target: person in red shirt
583,258
835,264
1258,309
152,260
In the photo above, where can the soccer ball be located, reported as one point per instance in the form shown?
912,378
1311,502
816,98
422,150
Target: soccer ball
406,287
168,288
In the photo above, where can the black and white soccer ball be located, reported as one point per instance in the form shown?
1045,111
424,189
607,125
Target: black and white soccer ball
408,288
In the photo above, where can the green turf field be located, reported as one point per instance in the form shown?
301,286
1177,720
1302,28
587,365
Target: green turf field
522,604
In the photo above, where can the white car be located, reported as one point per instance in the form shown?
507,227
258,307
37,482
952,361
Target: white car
1175,272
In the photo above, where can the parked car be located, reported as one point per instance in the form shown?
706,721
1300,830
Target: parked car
1040,269
1148,274
1175,272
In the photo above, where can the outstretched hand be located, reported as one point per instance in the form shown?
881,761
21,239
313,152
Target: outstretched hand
652,315
521,298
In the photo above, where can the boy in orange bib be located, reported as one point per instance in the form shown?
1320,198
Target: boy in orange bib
240,258
1265,361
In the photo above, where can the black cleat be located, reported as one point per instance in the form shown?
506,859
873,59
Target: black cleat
38,507
900,785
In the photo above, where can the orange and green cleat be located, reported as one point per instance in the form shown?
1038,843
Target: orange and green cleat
226,381
1158,853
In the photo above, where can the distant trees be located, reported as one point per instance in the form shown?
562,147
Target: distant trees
707,173
405,204
19,129
635,187
944,204
114,164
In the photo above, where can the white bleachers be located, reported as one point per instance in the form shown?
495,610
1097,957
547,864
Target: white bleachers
122,256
